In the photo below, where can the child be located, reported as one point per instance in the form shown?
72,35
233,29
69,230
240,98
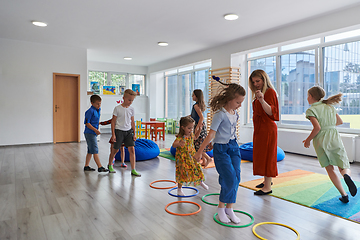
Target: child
200,127
187,170
225,148
92,117
123,129
122,150
326,139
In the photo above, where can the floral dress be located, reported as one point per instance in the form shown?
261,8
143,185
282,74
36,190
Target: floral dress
187,169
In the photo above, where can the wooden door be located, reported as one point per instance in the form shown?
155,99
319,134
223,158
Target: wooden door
66,107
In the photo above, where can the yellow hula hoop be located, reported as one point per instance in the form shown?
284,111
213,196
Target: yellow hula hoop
275,223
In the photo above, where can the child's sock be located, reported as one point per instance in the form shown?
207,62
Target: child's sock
222,215
180,192
351,185
111,169
206,187
231,214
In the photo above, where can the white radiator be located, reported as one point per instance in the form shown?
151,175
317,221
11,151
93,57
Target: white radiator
290,140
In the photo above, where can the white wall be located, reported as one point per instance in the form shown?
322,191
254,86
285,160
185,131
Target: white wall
221,57
26,88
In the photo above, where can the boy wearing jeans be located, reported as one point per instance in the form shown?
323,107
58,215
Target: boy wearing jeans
92,118
123,129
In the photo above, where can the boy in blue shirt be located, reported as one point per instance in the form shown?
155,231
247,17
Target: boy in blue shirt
92,119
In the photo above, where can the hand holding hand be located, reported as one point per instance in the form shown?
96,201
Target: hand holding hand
197,156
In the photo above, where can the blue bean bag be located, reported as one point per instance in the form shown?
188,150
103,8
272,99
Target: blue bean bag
173,151
246,151
145,149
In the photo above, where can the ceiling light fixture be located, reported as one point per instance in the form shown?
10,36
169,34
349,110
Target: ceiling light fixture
39,24
127,58
231,16
163,44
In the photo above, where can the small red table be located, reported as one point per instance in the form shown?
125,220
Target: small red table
155,125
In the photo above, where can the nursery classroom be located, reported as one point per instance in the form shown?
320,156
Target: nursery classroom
55,54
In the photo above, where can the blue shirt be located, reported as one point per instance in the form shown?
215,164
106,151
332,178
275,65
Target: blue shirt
223,127
92,116
194,114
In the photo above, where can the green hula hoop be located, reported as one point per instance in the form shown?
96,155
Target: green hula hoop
236,226
203,199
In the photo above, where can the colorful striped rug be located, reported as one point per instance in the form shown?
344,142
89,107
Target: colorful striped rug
313,190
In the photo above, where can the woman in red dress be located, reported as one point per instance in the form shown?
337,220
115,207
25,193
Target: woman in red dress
265,113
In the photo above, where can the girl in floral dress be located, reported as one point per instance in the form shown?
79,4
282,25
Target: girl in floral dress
187,169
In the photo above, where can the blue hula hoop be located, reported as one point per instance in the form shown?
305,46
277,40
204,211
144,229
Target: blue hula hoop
196,193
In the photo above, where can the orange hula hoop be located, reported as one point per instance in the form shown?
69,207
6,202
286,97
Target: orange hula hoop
151,184
183,214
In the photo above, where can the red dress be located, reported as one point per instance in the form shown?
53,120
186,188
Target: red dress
265,136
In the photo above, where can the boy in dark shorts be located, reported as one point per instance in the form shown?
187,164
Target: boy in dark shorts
92,118
123,129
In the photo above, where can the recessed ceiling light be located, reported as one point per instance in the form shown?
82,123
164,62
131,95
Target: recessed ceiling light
39,24
127,58
231,16
163,44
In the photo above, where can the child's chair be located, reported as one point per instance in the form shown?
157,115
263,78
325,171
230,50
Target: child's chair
140,130
152,119
170,125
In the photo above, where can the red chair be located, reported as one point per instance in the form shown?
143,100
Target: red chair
152,119
158,128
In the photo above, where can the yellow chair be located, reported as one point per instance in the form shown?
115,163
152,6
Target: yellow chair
140,130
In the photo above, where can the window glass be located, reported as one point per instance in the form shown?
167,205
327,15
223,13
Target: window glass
267,64
137,83
185,99
96,81
171,97
297,76
301,44
344,35
342,74
201,82
262,52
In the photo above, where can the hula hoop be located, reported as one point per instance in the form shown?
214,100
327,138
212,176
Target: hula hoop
183,214
197,192
275,223
151,184
203,199
236,226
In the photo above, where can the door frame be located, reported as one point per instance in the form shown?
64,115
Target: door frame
78,103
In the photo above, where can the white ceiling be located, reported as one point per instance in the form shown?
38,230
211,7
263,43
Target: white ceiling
111,30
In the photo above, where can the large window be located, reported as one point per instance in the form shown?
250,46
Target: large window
179,85
332,62
297,76
342,74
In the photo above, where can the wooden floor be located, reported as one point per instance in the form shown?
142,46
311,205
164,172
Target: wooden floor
44,194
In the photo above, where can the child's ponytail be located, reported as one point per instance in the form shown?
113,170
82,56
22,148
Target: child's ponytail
227,94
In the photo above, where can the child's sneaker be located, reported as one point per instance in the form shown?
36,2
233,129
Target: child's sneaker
344,199
102,169
135,173
88,168
123,165
111,169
